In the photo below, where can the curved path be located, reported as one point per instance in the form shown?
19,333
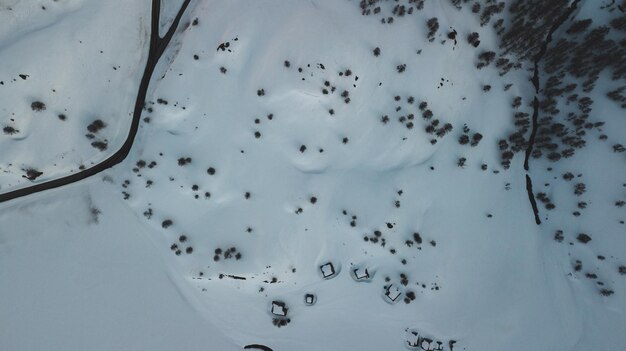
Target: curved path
258,347
158,45
536,83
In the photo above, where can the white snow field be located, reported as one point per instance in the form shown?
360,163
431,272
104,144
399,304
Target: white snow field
278,137
65,52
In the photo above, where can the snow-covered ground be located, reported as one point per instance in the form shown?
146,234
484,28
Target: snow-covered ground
58,53
277,138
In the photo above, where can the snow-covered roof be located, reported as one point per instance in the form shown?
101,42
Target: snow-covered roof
328,270
393,293
309,299
279,308
361,274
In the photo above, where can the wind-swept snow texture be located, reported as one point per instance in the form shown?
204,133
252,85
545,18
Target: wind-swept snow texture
285,148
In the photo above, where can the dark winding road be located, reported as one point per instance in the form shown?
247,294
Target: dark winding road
537,84
158,45
257,347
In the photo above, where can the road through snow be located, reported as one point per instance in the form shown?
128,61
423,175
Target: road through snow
158,45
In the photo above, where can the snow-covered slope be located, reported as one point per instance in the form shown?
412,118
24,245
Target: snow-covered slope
74,279
58,53
281,136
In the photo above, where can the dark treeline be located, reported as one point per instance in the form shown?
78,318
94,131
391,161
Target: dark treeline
579,52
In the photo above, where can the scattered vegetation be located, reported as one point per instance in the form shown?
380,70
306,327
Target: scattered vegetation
583,238
226,254
32,174
10,130
473,40
433,27
100,145
37,106
182,161
387,11
96,126
281,322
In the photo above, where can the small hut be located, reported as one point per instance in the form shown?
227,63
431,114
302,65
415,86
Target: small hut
279,309
309,299
392,293
413,339
328,270
416,341
360,274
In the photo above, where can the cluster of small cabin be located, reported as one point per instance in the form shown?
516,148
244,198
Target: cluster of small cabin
415,341
391,294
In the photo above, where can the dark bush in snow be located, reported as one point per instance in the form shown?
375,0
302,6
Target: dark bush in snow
184,161
583,238
10,130
489,11
100,145
473,39
433,26
606,292
37,106
96,126
32,174
485,58
476,138
579,189
579,26
166,223
558,236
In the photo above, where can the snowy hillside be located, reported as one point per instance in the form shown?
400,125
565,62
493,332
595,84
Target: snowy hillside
313,175
56,53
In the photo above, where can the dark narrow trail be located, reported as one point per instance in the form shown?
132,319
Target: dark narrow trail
158,45
536,83
258,347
